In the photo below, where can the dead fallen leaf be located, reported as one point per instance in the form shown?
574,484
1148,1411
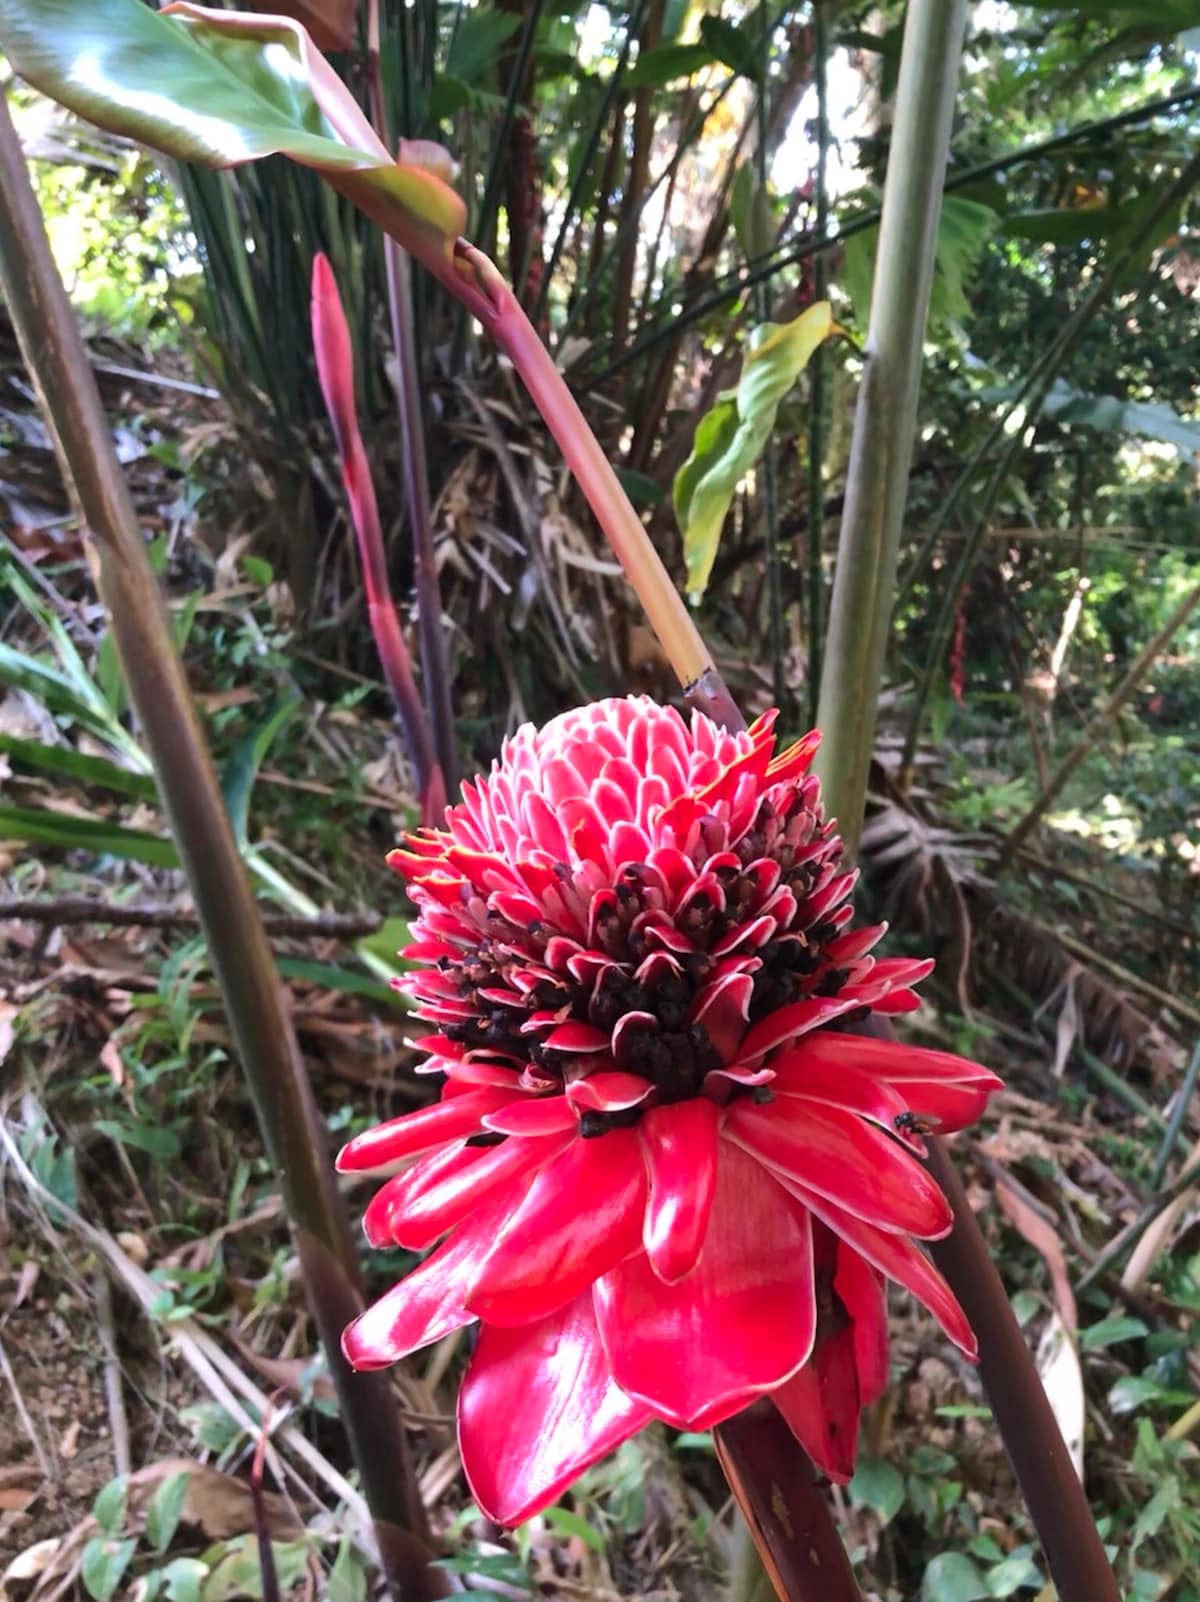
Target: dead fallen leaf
27,1565
219,1504
1043,1237
69,1444
26,1280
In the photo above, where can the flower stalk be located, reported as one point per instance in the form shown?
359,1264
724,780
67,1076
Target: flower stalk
255,1001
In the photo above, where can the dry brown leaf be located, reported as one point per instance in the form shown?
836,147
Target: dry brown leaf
1043,1237
219,1504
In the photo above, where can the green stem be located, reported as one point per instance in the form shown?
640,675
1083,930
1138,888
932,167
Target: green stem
776,635
886,418
255,1002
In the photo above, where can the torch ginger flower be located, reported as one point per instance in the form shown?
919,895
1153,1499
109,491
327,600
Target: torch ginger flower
663,1186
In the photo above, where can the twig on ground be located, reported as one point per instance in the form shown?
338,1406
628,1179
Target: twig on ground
44,1463
118,1421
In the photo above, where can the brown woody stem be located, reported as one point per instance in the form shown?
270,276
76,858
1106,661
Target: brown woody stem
255,1001
784,1507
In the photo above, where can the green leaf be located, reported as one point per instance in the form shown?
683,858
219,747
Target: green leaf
347,1577
666,62
151,1138
239,1573
330,977
108,1509
184,1577
1111,1330
222,89
258,570
751,214
447,95
165,1511
561,1518
66,831
951,1577
737,48
1066,225
1138,1390
1015,1571
878,1485
640,487
477,40
95,771
732,437
1148,420
241,768
103,1564
964,228
1152,1517
60,694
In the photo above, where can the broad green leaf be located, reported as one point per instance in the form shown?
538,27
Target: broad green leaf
165,1511
150,1138
1012,1574
1068,225
183,1578
731,438
39,826
57,691
239,1573
108,1509
561,1518
477,40
664,63
964,228
241,769
224,88
879,1485
751,214
640,487
330,977
102,1566
951,1577
1111,1330
736,47
1147,419
447,95
66,760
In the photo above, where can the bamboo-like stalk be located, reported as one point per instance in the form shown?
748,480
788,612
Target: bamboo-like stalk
1087,741
886,419
817,366
254,999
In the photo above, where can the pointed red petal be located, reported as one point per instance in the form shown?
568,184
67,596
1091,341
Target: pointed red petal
609,1091
425,1211
419,1131
533,1115
699,1350
679,1144
428,1303
581,1216
537,1407
785,1023
861,1292
900,1259
841,1156
821,1406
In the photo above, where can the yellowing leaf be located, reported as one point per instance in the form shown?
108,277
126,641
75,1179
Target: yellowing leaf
731,437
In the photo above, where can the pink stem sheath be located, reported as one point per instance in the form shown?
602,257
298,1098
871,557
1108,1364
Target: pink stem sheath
335,369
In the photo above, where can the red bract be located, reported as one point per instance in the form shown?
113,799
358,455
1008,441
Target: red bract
665,1185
